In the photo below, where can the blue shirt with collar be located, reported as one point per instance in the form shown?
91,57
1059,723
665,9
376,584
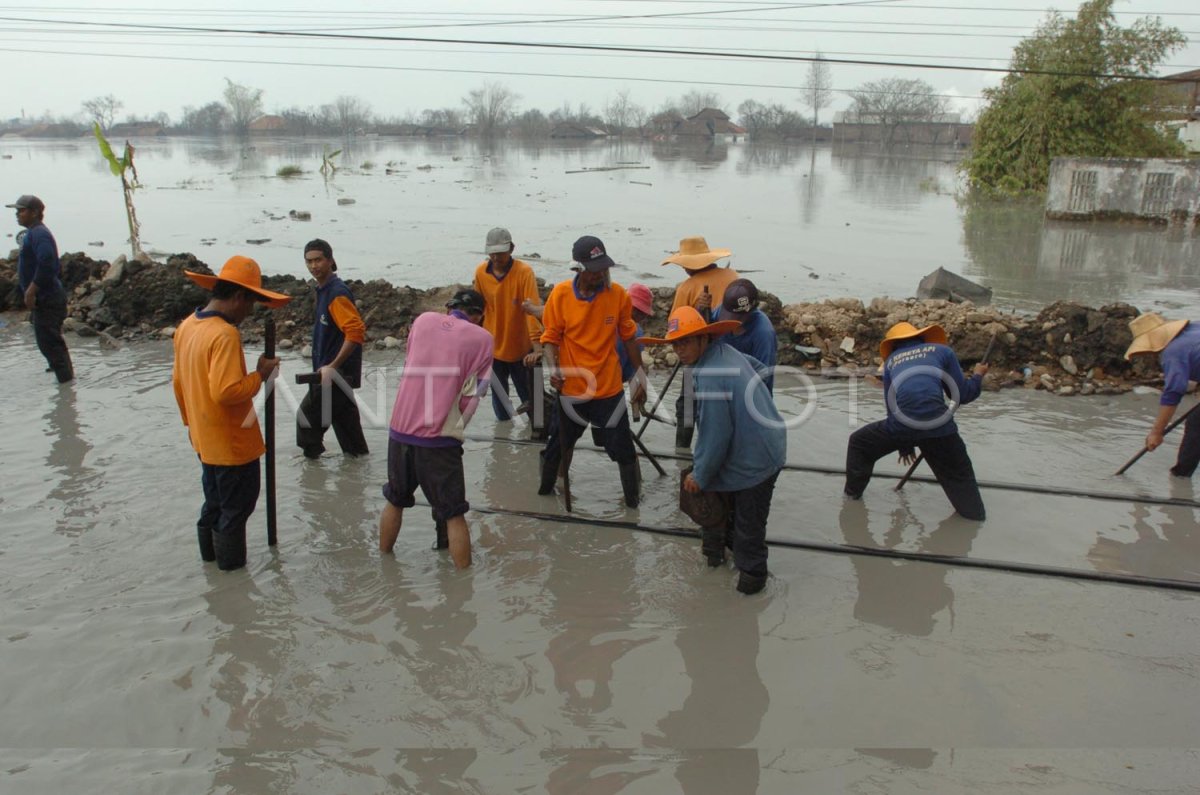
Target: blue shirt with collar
917,378
758,341
37,262
741,439
1180,363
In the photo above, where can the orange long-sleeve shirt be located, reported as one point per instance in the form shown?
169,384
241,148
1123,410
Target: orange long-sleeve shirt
688,291
514,331
583,331
214,392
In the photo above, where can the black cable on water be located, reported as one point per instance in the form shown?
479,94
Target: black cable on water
1030,488
1011,567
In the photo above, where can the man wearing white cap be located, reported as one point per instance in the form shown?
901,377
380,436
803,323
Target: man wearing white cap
1178,344
505,284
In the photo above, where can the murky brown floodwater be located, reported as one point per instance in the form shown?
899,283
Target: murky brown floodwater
576,659
806,223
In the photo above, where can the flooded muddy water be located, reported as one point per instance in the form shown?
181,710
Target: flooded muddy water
804,222
579,658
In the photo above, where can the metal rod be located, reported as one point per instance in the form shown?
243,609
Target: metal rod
657,401
269,421
1145,449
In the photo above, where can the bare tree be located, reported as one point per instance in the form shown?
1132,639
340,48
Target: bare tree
210,119
895,101
245,105
350,114
621,112
694,101
818,88
490,107
103,110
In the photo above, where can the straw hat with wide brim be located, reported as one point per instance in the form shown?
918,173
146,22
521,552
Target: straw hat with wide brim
906,331
694,254
686,322
243,272
1151,333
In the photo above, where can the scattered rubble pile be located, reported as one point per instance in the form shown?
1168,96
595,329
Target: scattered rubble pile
1066,348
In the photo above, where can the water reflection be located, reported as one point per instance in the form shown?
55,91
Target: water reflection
1030,261
578,772
596,599
897,594
1166,543
892,180
719,642
77,483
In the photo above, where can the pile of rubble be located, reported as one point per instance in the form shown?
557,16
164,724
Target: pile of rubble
1066,348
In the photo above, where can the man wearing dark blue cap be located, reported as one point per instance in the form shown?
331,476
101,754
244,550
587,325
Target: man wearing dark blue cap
756,336
38,275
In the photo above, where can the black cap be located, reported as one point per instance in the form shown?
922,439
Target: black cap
28,202
320,245
589,253
740,299
467,301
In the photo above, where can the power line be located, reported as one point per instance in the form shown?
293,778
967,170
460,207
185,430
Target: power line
379,67
594,47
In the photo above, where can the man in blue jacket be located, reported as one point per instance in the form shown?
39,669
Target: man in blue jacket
1179,344
754,336
741,440
919,371
38,275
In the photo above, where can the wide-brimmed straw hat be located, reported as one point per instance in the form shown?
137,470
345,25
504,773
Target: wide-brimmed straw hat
1151,333
243,272
694,254
906,331
686,322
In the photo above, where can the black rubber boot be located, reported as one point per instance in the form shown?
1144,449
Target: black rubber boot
205,535
751,583
443,540
549,474
631,481
712,544
230,549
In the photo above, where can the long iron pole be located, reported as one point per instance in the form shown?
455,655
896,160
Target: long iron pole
269,421
1145,449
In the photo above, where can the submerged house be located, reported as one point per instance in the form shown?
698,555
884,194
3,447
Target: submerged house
708,123
572,129
268,123
1153,189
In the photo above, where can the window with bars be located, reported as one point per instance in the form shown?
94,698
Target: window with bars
1157,193
1083,192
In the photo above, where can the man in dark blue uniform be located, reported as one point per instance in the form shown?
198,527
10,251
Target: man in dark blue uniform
38,275
919,372
756,336
338,337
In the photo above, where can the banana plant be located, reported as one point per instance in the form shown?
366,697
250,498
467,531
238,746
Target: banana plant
124,168
327,165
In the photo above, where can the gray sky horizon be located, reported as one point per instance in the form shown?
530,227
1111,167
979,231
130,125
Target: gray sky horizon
68,54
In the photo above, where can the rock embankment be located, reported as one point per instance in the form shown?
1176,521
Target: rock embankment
1066,348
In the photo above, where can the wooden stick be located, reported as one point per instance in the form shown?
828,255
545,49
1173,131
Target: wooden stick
986,355
1145,449
269,421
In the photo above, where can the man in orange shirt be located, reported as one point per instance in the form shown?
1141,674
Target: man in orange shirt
703,289
215,397
505,284
580,318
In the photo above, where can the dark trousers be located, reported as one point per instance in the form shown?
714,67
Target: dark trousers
230,494
343,416
685,410
47,318
502,372
946,455
747,525
618,440
1189,448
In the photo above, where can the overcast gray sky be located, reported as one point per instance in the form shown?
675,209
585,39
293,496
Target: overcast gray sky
53,61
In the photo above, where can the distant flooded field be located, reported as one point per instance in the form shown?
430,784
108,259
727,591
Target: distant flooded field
804,222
